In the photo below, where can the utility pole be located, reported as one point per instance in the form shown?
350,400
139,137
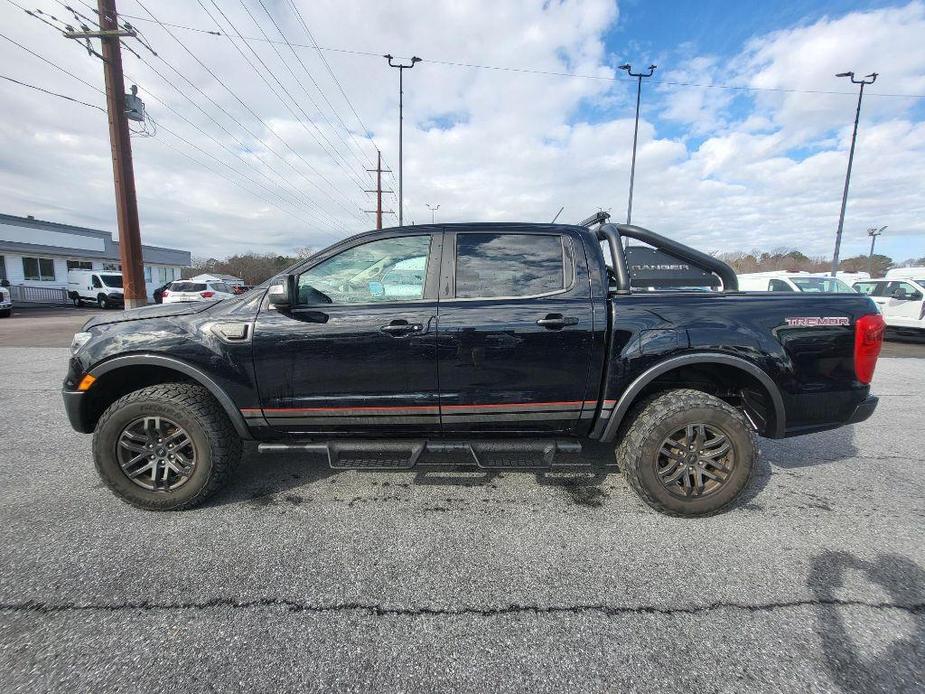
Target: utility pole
873,232
379,171
433,212
638,76
110,36
868,79
401,93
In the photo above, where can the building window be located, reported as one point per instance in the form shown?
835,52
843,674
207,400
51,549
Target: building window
79,265
41,269
112,266
162,274
148,274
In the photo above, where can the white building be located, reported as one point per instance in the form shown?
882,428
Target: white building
35,253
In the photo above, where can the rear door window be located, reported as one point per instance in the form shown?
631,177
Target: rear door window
511,265
779,286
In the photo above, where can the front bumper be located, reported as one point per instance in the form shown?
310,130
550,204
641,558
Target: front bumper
73,405
864,410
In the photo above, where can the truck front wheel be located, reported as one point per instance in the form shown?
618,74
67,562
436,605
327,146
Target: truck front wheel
687,453
166,447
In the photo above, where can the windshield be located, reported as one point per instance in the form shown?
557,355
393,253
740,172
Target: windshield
114,281
821,284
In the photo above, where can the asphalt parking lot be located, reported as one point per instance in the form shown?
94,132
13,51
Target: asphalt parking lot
300,577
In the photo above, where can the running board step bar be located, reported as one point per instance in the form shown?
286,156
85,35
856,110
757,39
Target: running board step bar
404,454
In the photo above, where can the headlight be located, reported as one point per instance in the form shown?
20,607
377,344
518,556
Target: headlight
80,339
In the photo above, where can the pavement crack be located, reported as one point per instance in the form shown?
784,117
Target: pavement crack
40,607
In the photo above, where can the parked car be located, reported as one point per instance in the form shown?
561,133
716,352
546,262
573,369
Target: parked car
906,273
792,282
102,287
516,346
158,293
187,290
901,301
6,300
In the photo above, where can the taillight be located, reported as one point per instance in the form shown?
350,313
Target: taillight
165,293
206,295
868,339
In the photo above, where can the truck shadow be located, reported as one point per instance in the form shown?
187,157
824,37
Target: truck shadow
899,666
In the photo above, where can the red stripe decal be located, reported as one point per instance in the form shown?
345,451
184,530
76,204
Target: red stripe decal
510,405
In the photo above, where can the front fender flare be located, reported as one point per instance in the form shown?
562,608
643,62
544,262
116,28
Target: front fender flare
202,378
629,395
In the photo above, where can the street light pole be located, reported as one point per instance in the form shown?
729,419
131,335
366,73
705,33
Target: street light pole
873,232
638,76
868,79
401,93
433,212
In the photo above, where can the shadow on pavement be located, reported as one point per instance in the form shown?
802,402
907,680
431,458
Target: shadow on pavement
900,666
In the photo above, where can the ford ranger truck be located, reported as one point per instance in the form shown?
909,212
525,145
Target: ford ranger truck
499,345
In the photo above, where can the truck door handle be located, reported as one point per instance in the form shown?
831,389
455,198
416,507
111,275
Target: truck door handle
556,321
401,327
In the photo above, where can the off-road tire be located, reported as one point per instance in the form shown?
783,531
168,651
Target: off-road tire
653,419
218,446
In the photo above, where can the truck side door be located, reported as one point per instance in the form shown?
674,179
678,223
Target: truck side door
356,352
515,333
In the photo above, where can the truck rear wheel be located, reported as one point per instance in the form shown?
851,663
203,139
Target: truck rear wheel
166,447
687,453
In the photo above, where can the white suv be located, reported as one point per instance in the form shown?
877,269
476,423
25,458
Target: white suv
901,301
187,290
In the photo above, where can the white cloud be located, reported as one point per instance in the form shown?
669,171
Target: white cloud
747,170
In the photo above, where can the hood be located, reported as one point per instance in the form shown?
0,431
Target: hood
154,311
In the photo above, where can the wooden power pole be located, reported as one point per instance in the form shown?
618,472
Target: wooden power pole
379,171
110,36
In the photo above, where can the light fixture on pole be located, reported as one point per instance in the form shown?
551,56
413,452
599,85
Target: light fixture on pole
873,232
868,79
433,212
638,76
401,91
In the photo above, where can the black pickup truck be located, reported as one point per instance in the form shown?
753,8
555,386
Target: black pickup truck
500,345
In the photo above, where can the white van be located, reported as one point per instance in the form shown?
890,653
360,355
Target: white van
901,301
792,282
905,273
101,287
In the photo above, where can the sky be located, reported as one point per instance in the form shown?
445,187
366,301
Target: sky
517,108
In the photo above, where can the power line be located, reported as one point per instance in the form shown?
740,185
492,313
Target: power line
219,173
556,73
51,93
295,201
334,151
340,87
226,165
275,93
256,116
57,67
317,86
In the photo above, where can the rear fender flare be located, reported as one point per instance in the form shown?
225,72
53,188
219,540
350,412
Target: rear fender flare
200,377
629,395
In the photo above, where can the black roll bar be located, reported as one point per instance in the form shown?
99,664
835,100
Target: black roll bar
613,233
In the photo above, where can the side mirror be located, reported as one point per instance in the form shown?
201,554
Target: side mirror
4,283
279,295
914,296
